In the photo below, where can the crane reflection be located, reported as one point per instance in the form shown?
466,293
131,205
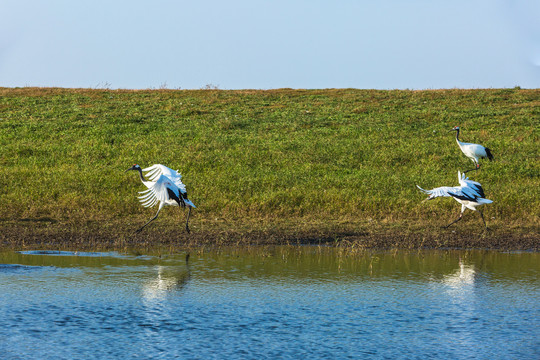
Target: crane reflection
167,279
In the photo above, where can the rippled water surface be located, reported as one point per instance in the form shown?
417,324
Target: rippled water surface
270,303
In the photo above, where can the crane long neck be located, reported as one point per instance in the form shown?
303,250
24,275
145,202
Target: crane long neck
141,175
457,135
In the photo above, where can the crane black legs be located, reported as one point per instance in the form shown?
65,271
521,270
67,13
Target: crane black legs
152,219
461,216
155,217
482,215
455,221
187,219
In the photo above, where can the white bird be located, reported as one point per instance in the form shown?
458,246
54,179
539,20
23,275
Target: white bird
469,194
474,152
165,186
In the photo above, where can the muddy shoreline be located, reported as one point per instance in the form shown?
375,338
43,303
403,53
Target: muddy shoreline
80,239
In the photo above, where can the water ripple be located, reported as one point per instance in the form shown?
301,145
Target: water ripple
439,305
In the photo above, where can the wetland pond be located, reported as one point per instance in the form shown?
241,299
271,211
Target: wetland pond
271,302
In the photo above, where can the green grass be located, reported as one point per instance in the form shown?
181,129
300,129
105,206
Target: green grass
254,159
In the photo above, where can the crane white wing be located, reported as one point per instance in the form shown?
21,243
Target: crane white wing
158,192
458,192
464,181
473,150
441,191
156,170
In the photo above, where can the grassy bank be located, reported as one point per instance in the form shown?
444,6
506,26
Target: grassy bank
337,165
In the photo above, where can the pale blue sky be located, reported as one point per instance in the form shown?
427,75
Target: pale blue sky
264,44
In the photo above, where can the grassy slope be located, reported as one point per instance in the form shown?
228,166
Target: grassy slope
292,160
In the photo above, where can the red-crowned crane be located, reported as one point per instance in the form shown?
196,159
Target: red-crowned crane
165,186
474,152
469,194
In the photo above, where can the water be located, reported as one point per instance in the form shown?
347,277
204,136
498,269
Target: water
270,303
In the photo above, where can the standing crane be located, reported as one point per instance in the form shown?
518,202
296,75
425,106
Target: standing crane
474,152
165,186
469,194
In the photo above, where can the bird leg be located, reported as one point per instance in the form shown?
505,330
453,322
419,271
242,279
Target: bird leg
482,215
152,219
455,221
187,219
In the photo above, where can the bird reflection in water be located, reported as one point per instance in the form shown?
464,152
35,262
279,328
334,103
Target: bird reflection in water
460,298
465,275
168,279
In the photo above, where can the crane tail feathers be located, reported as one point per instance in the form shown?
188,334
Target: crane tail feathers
484,201
489,154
